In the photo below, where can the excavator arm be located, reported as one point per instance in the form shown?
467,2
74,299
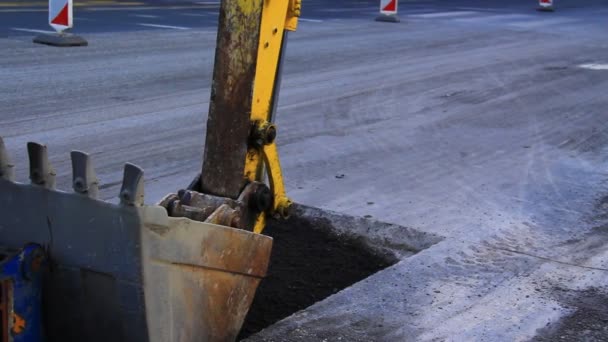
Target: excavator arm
240,148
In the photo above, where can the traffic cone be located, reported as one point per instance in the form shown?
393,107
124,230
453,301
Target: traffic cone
388,11
545,6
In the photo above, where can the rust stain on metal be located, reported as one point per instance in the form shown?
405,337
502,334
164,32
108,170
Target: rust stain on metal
5,299
228,250
236,213
230,294
201,279
18,324
225,216
37,262
225,299
228,123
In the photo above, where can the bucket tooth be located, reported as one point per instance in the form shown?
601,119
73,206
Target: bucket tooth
6,167
132,191
41,171
84,180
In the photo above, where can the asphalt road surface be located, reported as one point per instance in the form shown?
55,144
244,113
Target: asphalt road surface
26,17
482,123
31,16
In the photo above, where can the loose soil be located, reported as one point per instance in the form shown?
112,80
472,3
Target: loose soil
309,262
588,322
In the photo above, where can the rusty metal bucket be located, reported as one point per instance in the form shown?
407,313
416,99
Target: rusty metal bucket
200,278
128,272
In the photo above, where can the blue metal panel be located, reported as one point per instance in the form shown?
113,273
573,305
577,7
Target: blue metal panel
22,270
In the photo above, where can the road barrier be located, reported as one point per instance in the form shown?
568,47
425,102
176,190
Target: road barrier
61,14
388,11
61,18
545,5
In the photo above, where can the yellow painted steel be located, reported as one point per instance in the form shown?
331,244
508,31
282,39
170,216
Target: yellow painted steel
293,13
281,203
277,16
275,176
271,36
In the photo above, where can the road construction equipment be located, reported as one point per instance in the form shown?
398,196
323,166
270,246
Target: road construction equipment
20,293
545,6
184,270
240,138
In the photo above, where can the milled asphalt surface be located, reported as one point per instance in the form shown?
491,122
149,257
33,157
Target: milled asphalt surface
477,126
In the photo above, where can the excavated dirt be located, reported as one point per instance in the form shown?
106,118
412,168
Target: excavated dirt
588,322
310,261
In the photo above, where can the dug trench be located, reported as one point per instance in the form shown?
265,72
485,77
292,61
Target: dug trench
317,253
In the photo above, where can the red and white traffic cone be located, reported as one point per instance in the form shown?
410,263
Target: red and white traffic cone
61,18
545,5
388,11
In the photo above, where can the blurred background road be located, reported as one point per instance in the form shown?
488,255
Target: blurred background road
27,17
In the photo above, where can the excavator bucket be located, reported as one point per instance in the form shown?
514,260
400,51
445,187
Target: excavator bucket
127,271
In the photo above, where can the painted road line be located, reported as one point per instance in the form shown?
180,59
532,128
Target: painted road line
126,3
444,14
31,30
198,14
164,26
311,20
480,9
107,3
142,8
540,24
594,66
79,4
207,3
342,10
488,17
144,16
23,10
24,4
100,9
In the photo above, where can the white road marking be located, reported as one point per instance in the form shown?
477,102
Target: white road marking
477,9
30,30
100,9
12,10
197,14
508,19
444,14
207,2
311,20
531,24
342,10
594,66
144,16
164,26
139,8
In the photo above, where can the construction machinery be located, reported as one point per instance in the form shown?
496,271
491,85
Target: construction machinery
76,268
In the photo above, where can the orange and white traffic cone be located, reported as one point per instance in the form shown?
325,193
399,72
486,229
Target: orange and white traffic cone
545,5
